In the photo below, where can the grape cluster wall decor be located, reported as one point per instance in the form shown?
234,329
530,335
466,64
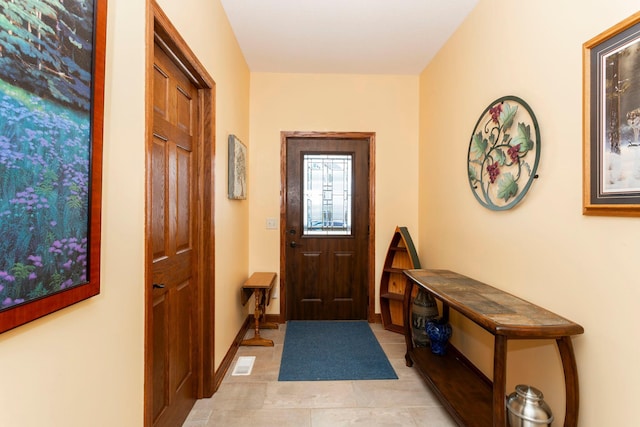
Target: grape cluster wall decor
503,153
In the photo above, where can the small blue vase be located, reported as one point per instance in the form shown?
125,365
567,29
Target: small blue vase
439,333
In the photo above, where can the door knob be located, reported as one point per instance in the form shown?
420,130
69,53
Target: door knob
158,286
294,244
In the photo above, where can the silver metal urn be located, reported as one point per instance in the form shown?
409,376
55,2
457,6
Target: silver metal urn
525,408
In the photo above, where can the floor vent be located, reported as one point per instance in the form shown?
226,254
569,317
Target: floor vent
244,365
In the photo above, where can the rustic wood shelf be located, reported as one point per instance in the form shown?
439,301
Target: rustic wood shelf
471,398
394,270
453,380
392,296
401,255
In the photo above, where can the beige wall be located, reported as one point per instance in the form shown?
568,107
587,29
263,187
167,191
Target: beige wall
83,366
544,250
386,105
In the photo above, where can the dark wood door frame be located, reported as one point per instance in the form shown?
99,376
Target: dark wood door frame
162,31
370,138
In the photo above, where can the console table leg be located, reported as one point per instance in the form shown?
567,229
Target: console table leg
257,340
570,380
499,381
408,337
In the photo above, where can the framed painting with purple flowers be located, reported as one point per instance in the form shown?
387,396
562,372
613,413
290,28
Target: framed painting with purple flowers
611,146
51,120
504,151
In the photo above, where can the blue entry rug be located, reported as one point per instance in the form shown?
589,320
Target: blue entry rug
332,350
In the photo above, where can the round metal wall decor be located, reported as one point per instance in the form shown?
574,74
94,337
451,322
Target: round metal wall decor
503,153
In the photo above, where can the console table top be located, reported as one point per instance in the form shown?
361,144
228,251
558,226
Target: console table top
262,281
497,311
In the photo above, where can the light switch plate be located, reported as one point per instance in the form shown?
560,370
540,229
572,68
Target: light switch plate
272,224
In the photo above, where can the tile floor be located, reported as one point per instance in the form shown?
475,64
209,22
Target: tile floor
260,400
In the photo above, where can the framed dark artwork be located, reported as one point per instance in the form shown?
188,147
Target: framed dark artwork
611,146
237,169
51,122
504,152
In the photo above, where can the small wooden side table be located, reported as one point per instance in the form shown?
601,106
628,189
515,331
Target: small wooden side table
261,285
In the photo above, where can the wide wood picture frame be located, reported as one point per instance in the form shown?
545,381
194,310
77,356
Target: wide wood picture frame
611,145
52,86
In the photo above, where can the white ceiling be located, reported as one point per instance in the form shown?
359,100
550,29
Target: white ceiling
343,36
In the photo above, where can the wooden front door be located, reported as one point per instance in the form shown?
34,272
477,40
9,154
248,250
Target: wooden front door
172,239
326,228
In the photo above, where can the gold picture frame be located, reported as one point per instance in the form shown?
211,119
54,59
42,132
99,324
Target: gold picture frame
611,121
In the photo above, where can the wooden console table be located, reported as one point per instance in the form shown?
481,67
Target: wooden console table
261,285
470,397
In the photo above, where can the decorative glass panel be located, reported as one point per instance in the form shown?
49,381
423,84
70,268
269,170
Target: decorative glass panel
327,194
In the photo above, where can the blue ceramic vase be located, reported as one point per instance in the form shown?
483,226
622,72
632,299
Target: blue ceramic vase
439,332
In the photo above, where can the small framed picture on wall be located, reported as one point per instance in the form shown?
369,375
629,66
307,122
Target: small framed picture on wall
237,169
